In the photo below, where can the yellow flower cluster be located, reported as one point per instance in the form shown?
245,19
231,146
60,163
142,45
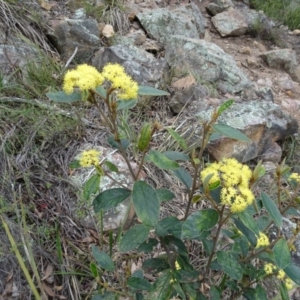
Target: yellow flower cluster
234,178
125,86
89,158
269,268
262,240
84,77
295,176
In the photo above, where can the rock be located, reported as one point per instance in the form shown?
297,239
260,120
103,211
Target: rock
263,122
141,65
218,6
230,23
281,59
69,34
161,23
136,38
260,46
186,91
245,50
286,83
79,14
265,93
206,61
113,218
273,153
252,62
290,104
258,23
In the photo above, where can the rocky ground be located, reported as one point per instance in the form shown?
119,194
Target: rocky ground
246,50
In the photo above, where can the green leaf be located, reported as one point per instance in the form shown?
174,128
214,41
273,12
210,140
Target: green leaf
74,164
284,292
164,195
150,91
255,294
126,104
101,90
184,276
94,269
162,287
230,132
272,209
169,225
124,142
110,198
179,139
293,272
148,245
179,292
215,293
184,177
63,97
176,245
175,155
105,296
146,203
230,265
249,234
192,293
282,254
155,265
112,167
103,259
216,194
225,106
134,237
139,283
91,186
161,161
199,221
263,222
138,273
214,136
247,218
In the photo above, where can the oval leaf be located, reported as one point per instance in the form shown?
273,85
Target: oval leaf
63,97
111,166
146,203
249,234
162,287
225,106
293,272
175,155
103,259
110,198
164,195
150,91
161,161
184,177
180,140
91,186
282,254
230,132
230,265
272,209
124,142
101,90
139,283
134,237
199,221
169,225
126,104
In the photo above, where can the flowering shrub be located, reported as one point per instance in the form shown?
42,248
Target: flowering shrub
233,229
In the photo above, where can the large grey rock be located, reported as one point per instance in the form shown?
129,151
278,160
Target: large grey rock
263,122
206,61
230,23
141,65
285,59
115,217
218,6
69,34
161,23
